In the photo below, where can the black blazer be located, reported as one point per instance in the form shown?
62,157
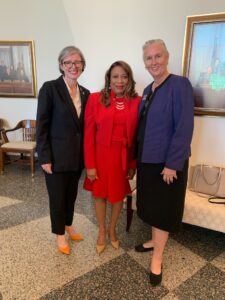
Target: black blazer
59,130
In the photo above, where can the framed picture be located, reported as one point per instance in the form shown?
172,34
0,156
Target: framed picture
17,69
204,62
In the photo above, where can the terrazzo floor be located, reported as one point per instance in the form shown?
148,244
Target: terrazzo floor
31,268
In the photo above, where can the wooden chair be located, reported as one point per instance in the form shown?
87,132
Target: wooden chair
1,129
25,132
130,203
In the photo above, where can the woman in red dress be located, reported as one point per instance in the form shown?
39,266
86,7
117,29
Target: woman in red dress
110,126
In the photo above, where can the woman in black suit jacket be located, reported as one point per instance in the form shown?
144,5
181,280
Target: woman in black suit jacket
60,113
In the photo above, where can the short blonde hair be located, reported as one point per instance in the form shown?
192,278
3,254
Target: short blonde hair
156,41
67,51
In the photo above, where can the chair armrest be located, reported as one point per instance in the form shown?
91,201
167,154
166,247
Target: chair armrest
1,135
5,138
18,126
4,132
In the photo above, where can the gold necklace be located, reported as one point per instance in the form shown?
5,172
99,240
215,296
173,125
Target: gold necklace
120,105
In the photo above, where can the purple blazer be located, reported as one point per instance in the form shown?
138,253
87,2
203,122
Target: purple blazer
170,122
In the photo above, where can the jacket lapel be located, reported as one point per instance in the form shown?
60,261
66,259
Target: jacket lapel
83,99
65,96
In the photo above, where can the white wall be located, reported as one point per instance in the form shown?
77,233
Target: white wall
45,22
107,30
116,29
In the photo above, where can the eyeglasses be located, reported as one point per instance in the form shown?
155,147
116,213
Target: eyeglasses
76,63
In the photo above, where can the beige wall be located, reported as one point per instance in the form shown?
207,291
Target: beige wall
111,30
45,22
107,30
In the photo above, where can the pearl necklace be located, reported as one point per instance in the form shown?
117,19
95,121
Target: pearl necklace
120,105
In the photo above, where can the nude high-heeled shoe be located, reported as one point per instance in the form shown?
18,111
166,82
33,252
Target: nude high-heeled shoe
115,244
100,245
100,248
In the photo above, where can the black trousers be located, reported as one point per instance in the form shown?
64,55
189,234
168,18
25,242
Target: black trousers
62,191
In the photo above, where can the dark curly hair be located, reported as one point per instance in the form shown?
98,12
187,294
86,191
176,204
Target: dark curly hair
130,89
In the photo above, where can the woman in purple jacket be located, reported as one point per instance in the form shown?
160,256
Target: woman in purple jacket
163,149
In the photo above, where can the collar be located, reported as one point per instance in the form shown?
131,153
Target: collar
69,89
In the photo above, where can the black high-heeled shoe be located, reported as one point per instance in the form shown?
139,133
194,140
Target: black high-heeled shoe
155,279
141,248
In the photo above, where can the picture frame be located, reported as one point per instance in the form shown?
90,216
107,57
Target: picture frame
204,62
17,69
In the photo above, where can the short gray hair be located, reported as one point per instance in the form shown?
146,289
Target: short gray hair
155,41
67,51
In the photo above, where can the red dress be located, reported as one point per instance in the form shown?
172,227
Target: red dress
111,160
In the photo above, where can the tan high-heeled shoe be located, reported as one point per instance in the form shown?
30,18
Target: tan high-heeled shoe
115,244
100,248
100,245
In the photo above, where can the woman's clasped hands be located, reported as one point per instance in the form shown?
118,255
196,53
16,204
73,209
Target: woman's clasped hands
92,174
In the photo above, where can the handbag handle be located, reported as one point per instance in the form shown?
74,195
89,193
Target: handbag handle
204,177
221,200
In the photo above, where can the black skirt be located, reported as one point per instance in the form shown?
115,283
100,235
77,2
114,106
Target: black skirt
160,204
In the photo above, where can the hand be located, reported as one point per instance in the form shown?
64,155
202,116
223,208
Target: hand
92,174
47,168
169,175
131,173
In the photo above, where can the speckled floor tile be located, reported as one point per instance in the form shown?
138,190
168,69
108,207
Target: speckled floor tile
138,233
6,201
121,278
170,296
219,262
33,194
30,266
177,265
17,184
204,242
203,286
138,230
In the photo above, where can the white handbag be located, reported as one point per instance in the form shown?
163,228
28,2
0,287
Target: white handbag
207,180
